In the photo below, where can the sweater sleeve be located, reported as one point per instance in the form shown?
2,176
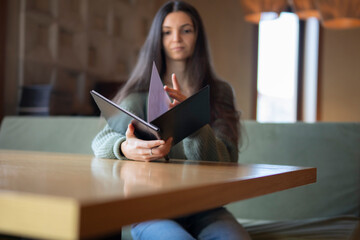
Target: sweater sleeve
107,142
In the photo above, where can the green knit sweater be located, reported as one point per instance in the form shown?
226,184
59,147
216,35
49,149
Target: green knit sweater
205,144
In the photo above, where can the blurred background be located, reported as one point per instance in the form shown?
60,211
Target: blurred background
284,66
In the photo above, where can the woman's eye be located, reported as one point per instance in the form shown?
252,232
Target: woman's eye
187,30
166,33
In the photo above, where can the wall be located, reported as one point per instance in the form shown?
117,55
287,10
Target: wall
230,40
340,75
12,52
3,13
74,46
231,45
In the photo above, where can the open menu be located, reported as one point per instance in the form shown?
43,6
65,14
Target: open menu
178,122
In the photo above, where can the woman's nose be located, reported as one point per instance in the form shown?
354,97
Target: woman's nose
177,36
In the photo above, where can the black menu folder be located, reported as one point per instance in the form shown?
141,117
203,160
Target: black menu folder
178,122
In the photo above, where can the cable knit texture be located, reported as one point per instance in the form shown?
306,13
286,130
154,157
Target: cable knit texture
206,144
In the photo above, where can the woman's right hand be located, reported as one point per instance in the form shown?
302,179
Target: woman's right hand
175,92
137,149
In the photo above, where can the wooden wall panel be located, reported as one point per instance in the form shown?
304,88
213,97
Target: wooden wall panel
74,45
3,8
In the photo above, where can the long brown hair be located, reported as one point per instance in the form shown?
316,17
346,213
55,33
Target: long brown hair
198,67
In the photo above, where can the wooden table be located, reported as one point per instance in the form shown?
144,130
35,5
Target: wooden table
66,196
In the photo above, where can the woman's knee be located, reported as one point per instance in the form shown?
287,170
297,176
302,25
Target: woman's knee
159,229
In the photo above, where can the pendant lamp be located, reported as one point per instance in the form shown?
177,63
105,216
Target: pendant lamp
257,10
305,8
339,14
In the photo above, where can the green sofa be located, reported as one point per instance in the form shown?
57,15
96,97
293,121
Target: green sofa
328,209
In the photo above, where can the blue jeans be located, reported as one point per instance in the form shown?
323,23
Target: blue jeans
214,224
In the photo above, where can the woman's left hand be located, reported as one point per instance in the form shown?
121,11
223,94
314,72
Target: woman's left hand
175,92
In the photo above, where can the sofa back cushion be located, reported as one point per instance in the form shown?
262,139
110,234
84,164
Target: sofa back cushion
51,134
333,148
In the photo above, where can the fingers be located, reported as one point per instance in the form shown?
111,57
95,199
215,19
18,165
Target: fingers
175,92
164,149
137,149
174,81
151,154
173,104
175,95
130,135
130,131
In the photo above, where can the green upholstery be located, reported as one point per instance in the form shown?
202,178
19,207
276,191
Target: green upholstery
327,209
320,229
51,134
333,148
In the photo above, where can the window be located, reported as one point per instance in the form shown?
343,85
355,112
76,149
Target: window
311,53
278,74
278,69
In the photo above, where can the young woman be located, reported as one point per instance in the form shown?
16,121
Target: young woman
178,45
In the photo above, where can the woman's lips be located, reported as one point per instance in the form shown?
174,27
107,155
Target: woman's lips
177,48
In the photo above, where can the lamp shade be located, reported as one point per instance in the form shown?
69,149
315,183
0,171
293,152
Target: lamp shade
339,14
257,10
305,8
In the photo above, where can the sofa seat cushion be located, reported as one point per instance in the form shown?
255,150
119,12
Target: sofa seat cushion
342,227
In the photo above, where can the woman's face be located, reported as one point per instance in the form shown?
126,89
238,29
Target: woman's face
178,36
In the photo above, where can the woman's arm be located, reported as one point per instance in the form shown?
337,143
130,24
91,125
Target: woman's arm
124,144
107,142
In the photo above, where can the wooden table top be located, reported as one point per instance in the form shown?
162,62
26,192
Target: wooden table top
68,196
